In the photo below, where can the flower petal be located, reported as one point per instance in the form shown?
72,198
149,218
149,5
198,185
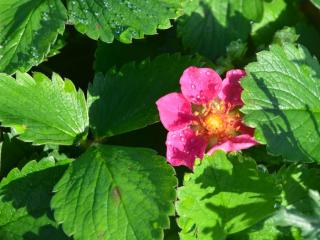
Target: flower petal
231,88
237,143
175,111
200,85
183,147
246,130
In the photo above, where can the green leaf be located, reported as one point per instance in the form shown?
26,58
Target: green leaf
57,46
276,14
296,180
309,37
27,30
123,20
268,230
116,193
224,195
302,33
261,156
235,55
122,54
43,111
282,101
212,26
285,36
124,100
151,47
13,151
25,202
253,9
316,3
308,224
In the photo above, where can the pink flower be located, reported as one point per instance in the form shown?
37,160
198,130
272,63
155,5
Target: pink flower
204,117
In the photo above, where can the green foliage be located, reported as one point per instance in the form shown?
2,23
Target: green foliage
112,192
224,195
27,30
253,9
309,224
276,15
124,100
309,37
301,200
268,230
316,3
301,33
286,35
121,54
115,193
211,25
123,20
58,45
151,47
14,152
43,111
296,180
297,211
25,202
261,156
281,87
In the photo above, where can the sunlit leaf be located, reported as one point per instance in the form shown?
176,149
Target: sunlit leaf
124,100
28,28
282,100
25,195
211,25
224,195
123,20
116,193
41,110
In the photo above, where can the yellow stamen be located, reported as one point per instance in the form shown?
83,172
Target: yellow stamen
216,122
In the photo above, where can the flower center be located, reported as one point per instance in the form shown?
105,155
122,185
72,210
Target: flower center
214,123
217,122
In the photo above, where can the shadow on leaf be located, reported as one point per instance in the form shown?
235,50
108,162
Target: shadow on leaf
209,37
33,193
282,137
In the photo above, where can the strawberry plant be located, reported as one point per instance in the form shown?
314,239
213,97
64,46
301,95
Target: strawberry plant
159,119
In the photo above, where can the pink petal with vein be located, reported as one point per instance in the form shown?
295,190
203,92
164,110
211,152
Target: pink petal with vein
183,147
231,88
246,130
175,111
200,85
237,143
